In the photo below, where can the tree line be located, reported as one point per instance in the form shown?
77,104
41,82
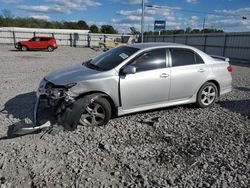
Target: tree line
7,20
182,31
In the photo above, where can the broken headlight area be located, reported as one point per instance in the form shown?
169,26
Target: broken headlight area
52,102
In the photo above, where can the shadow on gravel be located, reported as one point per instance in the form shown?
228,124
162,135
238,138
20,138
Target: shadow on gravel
21,106
14,50
239,106
243,89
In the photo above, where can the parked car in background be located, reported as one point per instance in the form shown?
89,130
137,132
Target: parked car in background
133,78
37,43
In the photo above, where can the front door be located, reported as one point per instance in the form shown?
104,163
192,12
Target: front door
151,82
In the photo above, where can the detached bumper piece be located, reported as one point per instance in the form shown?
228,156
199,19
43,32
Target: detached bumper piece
58,111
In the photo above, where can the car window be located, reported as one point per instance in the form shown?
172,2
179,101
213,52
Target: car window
32,39
45,39
198,59
182,57
36,39
154,59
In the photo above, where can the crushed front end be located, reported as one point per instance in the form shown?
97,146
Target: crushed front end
56,104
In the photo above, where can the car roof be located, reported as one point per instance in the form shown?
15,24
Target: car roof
156,44
152,45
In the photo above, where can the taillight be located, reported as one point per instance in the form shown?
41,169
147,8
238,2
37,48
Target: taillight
229,68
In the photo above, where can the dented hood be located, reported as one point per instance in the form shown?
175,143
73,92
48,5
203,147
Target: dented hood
72,74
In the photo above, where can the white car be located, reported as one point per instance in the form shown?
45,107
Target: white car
133,78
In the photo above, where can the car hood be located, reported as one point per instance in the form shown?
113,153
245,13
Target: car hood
72,74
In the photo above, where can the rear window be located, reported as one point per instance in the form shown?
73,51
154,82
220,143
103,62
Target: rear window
45,39
182,57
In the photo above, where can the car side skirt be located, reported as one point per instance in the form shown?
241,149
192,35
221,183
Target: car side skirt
156,106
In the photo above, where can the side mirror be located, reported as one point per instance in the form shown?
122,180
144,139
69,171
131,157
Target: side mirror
129,69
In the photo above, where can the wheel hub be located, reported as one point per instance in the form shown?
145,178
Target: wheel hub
93,115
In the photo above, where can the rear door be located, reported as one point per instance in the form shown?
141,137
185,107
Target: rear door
151,82
188,73
44,42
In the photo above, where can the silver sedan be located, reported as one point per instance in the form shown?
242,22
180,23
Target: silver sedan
131,79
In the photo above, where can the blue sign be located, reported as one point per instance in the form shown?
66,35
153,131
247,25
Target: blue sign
159,25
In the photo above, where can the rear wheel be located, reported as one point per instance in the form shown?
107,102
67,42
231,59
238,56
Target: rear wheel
207,95
97,113
24,48
50,48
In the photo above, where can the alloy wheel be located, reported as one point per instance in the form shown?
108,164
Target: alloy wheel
93,115
208,95
50,48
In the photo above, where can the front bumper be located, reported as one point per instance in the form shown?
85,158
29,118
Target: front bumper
17,46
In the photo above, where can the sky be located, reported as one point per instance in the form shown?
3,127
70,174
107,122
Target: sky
123,14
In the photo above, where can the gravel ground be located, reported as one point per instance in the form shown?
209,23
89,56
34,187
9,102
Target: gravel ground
180,146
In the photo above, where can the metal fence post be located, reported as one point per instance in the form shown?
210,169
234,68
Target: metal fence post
205,43
70,39
89,39
224,46
34,34
14,37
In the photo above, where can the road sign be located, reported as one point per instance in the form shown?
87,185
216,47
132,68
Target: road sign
159,25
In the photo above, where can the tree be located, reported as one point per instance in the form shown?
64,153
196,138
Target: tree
188,30
195,31
82,25
94,29
108,29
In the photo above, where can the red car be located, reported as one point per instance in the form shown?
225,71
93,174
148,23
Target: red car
48,43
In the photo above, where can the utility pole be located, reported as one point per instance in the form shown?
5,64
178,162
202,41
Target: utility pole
142,20
203,27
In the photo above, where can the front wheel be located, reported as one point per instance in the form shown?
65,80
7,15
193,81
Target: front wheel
207,95
97,113
24,48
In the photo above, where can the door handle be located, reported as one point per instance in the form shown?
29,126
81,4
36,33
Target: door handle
164,75
201,70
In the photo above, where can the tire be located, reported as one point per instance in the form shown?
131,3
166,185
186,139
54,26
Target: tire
207,95
24,48
97,113
50,48
77,112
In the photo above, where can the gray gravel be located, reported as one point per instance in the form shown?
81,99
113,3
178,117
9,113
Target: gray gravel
180,146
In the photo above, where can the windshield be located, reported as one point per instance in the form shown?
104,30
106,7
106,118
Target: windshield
111,58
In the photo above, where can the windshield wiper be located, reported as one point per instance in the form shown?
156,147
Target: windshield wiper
93,66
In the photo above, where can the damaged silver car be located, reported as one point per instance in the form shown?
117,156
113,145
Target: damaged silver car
130,79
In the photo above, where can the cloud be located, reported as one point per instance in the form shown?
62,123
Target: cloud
40,16
192,1
61,6
240,12
10,1
230,19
